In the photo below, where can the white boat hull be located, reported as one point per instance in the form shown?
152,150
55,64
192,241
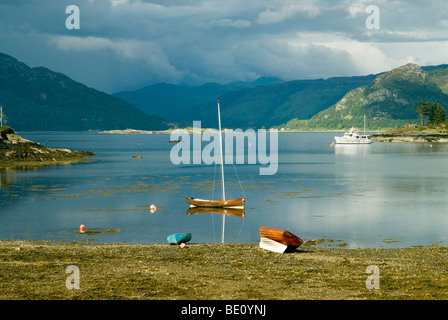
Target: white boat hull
272,245
352,140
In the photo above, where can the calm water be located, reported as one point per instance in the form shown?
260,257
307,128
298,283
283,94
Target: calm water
379,195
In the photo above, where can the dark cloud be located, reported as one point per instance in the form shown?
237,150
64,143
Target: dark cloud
126,44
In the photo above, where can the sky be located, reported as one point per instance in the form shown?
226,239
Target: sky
129,44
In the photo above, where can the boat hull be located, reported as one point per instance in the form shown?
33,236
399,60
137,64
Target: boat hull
277,240
233,203
272,245
352,140
178,238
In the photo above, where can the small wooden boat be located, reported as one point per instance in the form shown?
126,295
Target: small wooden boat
224,203
178,238
225,211
233,203
277,240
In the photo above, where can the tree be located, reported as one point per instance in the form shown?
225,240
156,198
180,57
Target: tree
424,110
437,114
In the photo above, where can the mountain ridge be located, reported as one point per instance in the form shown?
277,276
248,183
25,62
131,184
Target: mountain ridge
255,104
390,100
164,99
277,104
41,99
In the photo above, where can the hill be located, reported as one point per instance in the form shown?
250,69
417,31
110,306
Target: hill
390,100
440,77
264,102
273,104
40,99
165,99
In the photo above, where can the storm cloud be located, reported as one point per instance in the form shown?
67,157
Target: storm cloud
128,44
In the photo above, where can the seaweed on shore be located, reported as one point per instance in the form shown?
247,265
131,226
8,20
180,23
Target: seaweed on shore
16,151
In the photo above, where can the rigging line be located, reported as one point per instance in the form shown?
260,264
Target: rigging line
241,229
214,182
234,169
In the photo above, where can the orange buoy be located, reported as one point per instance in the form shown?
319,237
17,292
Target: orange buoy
82,228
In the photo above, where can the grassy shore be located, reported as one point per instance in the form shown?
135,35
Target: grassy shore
37,270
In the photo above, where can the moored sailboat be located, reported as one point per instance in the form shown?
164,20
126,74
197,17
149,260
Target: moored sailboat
224,203
234,203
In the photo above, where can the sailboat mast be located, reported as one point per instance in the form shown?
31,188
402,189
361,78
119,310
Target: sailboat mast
222,174
221,155
364,124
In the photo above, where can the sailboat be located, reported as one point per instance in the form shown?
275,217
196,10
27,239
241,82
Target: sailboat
224,203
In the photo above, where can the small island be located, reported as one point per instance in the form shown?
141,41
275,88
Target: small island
436,130
15,150
420,134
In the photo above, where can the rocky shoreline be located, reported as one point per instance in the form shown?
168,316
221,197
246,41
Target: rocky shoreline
15,150
411,137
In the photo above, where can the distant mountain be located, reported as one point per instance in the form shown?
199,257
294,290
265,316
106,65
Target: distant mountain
40,99
263,102
272,104
164,99
390,100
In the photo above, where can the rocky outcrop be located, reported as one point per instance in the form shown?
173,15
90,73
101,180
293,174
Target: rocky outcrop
14,149
411,137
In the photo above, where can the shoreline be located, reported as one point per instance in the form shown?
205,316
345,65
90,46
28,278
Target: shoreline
411,137
37,270
17,152
379,136
190,130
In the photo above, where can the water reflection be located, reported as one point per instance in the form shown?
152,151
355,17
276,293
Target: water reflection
225,211
384,194
360,149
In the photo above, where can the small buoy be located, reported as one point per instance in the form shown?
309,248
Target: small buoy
152,208
82,228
